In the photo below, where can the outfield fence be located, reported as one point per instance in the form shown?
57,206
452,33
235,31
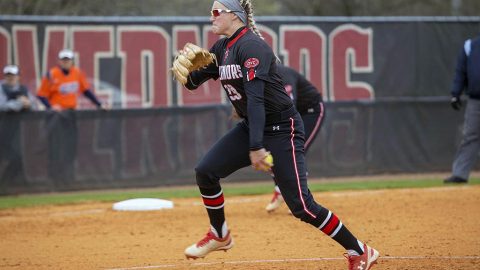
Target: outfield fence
385,80
71,150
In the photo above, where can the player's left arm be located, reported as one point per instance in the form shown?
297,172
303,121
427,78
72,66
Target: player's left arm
255,62
8,105
86,90
43,93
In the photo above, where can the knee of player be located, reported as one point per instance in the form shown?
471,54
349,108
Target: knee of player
302,214
205,179
203,167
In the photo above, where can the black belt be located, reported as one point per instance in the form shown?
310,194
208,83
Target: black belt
279,116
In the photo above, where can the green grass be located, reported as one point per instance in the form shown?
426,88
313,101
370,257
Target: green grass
189,192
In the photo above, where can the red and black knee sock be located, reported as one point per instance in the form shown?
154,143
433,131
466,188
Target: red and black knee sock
333,227
214,202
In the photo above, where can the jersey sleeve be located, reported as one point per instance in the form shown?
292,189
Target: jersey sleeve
44,89
255,59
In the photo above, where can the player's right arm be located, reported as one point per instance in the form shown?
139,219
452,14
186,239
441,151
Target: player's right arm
198,77
44,91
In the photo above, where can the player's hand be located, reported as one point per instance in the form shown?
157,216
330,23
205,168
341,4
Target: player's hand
456,103
105,107
25,101
260,161
57,108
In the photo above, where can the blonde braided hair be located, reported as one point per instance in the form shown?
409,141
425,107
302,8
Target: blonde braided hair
248,7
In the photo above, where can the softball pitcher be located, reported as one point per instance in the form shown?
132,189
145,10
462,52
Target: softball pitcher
248,71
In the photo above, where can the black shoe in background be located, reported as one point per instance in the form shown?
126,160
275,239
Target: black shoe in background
455,180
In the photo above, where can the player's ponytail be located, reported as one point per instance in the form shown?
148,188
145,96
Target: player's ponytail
248,7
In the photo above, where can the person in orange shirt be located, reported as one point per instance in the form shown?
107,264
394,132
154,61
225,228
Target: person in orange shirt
59,92
62,84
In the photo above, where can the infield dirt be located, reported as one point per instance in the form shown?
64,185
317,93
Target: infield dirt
432,228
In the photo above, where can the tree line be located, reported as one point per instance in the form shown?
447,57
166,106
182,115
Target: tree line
262,7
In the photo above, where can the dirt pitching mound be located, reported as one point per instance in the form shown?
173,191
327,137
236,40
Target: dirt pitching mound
433,228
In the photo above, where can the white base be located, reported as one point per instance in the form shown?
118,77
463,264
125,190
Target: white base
142,204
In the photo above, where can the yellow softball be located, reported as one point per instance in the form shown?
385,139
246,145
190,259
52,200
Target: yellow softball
269,159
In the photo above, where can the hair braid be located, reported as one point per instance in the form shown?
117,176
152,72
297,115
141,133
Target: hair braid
248,7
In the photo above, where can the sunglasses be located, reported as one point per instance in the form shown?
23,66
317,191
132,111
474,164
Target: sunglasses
218,11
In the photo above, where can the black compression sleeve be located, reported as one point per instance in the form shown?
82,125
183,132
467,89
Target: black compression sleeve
92,97
45,102
256,112
195,79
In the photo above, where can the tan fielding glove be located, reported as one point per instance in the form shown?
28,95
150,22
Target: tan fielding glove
189,59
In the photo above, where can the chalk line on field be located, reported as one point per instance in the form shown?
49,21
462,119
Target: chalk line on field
295,260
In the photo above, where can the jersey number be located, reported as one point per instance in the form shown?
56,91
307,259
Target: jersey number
232,92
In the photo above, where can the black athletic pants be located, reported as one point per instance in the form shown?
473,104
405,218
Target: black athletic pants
285,140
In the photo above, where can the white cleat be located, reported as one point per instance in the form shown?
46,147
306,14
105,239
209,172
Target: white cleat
208,244
364,261
275,203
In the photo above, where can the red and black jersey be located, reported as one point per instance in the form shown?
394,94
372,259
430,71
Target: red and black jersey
241,58
247,69
303,93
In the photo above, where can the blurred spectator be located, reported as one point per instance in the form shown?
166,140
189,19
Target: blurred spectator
467,77
14,98
59,91
62,84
